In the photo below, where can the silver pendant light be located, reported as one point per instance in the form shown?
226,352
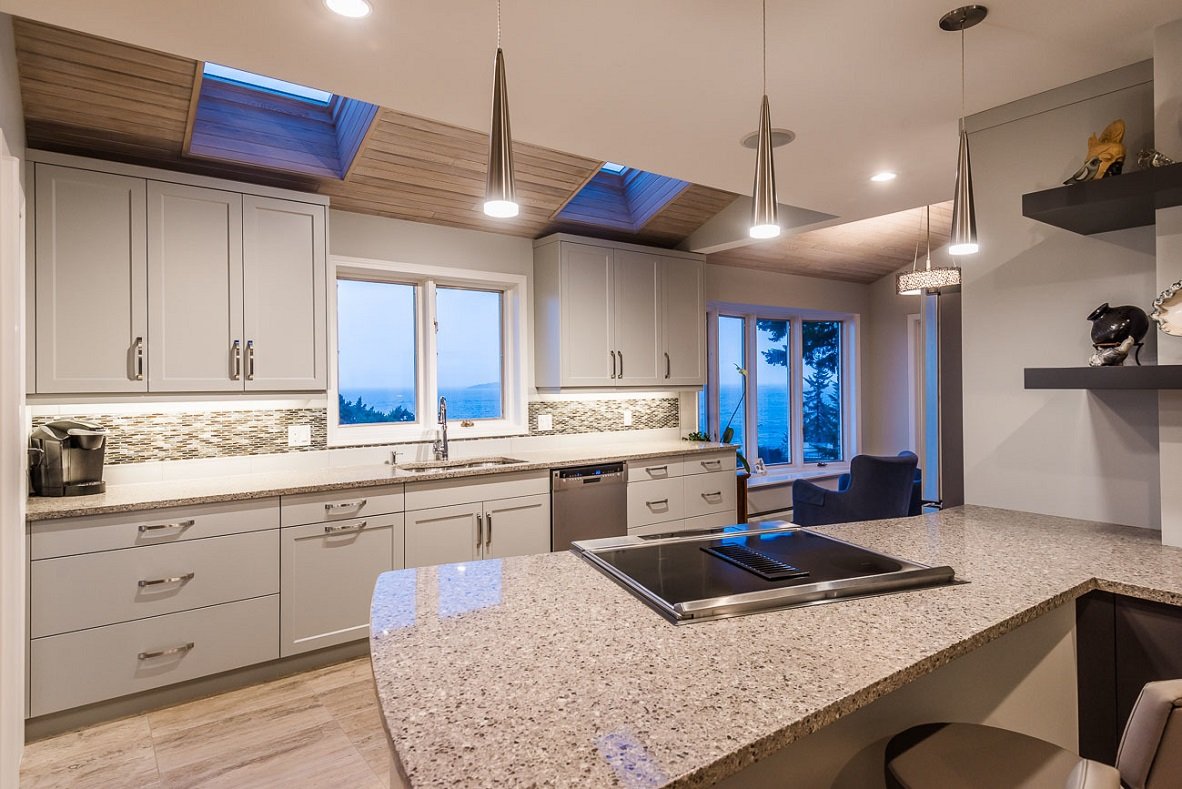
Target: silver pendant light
500,196
765,219
964,215
916,281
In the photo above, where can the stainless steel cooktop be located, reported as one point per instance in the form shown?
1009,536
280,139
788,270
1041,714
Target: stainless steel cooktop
745,569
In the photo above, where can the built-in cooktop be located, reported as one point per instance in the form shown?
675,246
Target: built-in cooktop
744,569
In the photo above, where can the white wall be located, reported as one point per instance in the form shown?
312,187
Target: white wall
752,286
1026,297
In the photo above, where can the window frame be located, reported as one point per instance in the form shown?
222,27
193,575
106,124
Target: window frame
850,389
425,279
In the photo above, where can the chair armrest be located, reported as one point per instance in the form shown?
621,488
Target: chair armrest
1089,774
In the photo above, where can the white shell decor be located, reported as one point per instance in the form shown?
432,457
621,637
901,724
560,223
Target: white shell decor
1167,310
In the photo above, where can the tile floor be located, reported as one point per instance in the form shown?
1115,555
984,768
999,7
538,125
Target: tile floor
317,729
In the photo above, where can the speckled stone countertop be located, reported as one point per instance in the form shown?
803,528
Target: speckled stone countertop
540,671
156,495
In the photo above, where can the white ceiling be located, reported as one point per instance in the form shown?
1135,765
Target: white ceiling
670,85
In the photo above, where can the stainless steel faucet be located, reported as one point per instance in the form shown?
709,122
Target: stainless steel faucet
440,445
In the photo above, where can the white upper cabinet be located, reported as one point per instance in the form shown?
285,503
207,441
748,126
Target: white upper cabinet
614,316
284,295
91,281
194,289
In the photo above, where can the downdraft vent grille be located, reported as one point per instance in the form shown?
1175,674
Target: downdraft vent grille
755,562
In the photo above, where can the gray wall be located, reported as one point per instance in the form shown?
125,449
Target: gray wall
887,390
1026,297
751,286
12,119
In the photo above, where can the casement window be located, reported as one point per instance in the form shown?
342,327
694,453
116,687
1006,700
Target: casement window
784,382
407,335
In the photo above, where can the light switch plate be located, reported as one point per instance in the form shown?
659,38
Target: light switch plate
545,422
299,435
627,417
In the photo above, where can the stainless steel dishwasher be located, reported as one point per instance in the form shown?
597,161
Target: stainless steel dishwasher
588,502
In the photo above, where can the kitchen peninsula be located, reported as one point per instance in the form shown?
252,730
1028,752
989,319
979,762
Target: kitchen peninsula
542,669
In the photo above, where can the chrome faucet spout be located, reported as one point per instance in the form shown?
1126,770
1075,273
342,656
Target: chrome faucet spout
440,448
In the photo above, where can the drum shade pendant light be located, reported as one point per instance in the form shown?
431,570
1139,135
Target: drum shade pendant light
964,215
500,196
916,281
765,221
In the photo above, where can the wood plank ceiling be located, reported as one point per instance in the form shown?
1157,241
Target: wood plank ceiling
862,251
91,96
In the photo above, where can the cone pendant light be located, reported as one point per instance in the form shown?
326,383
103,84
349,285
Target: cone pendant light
500,196
964,214
765,220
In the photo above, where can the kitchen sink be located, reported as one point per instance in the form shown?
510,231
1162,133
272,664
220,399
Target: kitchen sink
460,465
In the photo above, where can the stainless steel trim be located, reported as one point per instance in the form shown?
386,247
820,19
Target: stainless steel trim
237,357
668,366
488,531
139,358
345,527
180,649
144,527
250,360
613,353
479,530
337,506
176,579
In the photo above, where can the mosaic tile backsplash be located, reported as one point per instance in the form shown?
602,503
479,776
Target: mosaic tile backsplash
189,435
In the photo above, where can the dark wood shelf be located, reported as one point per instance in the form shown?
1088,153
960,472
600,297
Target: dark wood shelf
1115,203
1150,376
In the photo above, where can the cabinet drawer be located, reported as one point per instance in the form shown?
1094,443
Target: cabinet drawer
655,501
707,464
102,663
664,527
654,468
88,590
711,521
469,490
93,533
710,493
342,505
329,572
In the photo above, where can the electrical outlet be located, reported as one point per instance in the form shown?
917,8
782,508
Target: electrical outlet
627,417
299,436
545,422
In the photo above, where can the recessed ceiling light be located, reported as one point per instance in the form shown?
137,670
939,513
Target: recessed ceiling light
883,177
780,137
354,9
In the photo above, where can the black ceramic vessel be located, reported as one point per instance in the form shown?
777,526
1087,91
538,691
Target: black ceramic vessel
1113,325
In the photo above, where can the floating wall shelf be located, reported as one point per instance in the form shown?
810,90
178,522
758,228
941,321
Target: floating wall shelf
1150,376
1115,203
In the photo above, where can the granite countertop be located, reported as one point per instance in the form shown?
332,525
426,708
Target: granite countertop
155,495
539,670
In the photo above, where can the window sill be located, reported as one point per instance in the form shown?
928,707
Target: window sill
774,477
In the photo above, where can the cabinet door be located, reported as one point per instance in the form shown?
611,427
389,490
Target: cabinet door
194,289
283,260
637,318
517,527
587,328
684,323
91,281
328,571
442,535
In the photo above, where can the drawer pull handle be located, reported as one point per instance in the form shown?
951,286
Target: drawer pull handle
717,493
345,505
145,528
655,469
345,527
176,579
180,649
711,464
661,502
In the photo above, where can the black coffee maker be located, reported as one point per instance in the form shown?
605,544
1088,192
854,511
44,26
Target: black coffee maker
66,458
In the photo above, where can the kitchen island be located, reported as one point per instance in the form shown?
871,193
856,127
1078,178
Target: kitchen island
539,670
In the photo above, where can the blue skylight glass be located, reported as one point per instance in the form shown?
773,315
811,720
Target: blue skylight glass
614,169
269,84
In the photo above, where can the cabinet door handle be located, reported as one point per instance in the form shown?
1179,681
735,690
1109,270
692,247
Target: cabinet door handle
138,347
488,532
145,528
250,360
237,359
345,505
659,502
176,579
613,364
621,375
479,530
668,365
179,649
345,527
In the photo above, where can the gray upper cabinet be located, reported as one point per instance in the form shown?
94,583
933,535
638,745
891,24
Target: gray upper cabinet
194,289
285,321
613,316
90,261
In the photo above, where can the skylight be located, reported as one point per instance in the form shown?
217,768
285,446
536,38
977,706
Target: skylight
614,169
269,84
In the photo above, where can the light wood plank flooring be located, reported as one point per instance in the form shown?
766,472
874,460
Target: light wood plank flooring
317,729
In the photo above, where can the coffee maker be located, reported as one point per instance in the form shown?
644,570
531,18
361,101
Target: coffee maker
66,458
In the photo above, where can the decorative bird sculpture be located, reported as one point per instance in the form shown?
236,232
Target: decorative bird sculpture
1106,155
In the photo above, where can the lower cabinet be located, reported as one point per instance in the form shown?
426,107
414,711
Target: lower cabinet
327,573
683,493
480,530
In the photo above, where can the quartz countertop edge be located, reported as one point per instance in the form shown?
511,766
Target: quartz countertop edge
241,487
1019,566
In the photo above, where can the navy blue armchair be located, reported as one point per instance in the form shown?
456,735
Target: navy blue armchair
875,488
